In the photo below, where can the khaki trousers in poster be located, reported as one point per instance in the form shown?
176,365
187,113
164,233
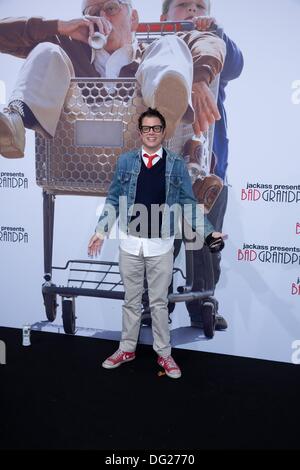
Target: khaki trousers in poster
43,84
44,79
159,276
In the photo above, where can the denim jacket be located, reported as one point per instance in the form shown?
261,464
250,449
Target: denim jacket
179,197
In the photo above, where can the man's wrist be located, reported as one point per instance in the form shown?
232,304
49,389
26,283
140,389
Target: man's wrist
214,243
100,235
204,74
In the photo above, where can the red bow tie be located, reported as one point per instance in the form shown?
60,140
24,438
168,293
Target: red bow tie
150,159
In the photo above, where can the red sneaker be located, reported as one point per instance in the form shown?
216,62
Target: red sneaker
118,358
171,368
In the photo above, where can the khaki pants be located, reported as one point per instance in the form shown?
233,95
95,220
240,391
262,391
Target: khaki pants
43,84
159,276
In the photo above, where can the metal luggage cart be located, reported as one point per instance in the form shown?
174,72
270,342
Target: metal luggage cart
97,124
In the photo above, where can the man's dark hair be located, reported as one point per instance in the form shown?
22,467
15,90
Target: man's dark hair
150,112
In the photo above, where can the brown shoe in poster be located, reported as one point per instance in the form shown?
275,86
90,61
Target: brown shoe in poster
171,99
12,134
207,190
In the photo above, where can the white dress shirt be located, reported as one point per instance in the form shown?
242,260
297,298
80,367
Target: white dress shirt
109,65
147,246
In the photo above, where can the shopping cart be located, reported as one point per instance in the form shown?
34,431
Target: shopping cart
97,124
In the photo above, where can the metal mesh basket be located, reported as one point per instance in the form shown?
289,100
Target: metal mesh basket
97,124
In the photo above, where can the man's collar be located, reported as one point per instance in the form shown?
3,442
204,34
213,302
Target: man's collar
159,152
129,49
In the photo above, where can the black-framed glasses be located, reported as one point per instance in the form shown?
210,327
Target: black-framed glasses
156,129
110,8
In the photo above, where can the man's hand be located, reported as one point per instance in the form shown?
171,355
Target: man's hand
215,241
104,26
95,244
81,28
204,23
205,106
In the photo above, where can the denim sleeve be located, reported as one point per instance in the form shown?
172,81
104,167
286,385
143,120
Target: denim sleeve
110,211
193,211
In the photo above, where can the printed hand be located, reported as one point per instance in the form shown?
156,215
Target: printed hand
95,244
205,107
204,23
104,26
81,28
215,241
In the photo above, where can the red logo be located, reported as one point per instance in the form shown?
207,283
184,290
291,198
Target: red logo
298,228
246,255
295,289
250,195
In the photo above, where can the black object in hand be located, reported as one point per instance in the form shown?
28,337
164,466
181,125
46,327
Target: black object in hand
214,244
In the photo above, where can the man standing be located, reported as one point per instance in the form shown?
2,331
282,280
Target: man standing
57,50
199,12
151,177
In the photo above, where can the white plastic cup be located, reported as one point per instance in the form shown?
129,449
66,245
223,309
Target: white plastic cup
97,41
26,335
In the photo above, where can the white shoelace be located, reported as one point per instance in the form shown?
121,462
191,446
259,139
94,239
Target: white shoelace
170,362
117,354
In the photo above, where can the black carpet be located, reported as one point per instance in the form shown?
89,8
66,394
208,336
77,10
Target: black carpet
55,395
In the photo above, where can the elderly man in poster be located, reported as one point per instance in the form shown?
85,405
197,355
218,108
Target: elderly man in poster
57,50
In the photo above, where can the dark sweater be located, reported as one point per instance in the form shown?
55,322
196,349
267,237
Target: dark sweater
151,189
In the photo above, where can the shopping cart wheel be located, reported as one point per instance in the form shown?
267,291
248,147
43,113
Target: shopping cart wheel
208,319
68,316
50,302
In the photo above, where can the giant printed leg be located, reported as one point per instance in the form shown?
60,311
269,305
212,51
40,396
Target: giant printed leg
37,99
43,83
202,263
165,76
